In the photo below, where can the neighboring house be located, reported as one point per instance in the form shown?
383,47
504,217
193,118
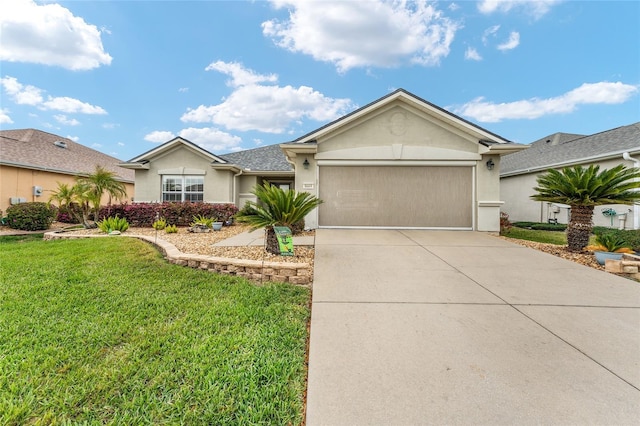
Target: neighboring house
519,172
399,162
33,162
180,170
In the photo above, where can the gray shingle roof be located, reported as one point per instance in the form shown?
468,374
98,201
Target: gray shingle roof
267,158
563,148
31,148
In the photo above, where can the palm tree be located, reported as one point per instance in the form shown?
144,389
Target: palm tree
583,189
276,207
100,182
66,196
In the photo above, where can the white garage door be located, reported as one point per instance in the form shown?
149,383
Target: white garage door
394,196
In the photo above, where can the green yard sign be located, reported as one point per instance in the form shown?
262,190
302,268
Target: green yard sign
285,240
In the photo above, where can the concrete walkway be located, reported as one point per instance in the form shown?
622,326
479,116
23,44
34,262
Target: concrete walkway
439,327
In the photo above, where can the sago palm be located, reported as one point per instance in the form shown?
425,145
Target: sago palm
276,207
583,189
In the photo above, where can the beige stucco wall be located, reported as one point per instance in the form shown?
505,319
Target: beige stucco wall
218,184
19,182
403,135
517,190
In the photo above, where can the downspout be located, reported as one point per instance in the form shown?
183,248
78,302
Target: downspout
636,207
235,198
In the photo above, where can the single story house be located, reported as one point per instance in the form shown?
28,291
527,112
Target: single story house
33,162
398,162
607,149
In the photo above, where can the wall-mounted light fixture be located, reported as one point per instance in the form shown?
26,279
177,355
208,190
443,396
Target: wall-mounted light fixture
306,163
490,164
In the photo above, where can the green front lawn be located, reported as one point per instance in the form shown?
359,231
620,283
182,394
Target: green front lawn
549,237
104,331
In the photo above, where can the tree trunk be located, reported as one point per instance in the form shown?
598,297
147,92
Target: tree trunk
579,228
272,242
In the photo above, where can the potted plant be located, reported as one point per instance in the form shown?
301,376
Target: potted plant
201,223
609,246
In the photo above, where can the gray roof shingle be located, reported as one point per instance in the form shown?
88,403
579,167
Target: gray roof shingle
266,158
31,148
564,148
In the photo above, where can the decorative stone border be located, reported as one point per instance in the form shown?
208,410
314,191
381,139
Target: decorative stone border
254,270
628,265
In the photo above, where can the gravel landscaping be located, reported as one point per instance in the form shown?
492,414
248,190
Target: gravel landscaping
202,243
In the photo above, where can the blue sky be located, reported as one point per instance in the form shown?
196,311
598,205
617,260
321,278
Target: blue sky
124,76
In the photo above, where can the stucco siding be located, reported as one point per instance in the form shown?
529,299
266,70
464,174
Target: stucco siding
218,184
396,124
517,190
19,182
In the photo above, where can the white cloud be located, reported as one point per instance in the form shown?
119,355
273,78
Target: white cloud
350,34
472,54
73,138
120,144
63,119
512,43
4,117
71,105
270,109
49,34
240,76
110,125
536,8
588,93
31,95
258,142
96,145
453,7
183,89
489,32
211,139
19,93
159,136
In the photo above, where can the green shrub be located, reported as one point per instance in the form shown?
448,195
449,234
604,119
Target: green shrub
549,226
171,229
505,224
610,242
201,220
524,225
31,216
159,224
629,237
111,224
541,226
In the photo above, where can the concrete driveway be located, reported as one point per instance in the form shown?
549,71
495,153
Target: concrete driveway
449,327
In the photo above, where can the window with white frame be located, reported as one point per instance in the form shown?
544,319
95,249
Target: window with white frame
183,188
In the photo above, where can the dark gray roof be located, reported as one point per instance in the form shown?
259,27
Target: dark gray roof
564,148
266,158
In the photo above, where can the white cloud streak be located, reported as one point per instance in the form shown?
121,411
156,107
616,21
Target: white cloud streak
535,8
4,117
49,34
240,76
209,138
589,93
353,34
265,108
159,136
63,119
33,96
472,54
512,43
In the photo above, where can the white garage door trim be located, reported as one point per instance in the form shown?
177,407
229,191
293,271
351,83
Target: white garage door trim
471,165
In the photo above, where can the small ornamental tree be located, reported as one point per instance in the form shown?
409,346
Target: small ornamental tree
583,189
276,207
